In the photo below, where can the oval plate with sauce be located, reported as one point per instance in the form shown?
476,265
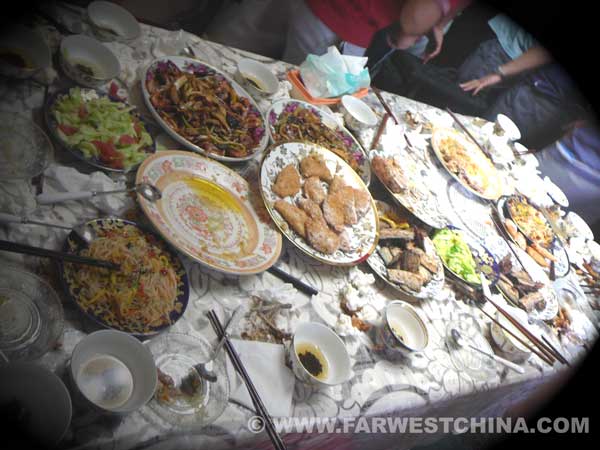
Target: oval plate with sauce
210,213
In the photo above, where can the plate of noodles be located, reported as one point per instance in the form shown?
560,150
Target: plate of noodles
298,121
204,109
466,163
147,295
210,213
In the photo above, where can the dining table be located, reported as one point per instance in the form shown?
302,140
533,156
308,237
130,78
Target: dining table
422,384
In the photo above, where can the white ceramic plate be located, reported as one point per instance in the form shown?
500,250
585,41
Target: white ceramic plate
362,237
353,146
190,65
210,213
494,186
556,193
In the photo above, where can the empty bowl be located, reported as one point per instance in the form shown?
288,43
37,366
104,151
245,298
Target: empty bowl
504,340
319,356
403,329
256,77
37,401
87,61
23,52
357,114
113,371
111,22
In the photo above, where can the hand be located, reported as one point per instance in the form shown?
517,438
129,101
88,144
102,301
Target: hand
481,83
438,37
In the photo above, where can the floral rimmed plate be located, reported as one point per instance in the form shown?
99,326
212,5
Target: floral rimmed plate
484,171
361,238
354,149
429,290
105,316
210,213
194,66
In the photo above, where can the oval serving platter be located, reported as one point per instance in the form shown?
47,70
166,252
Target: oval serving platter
209,212
74,244
192,66
361,238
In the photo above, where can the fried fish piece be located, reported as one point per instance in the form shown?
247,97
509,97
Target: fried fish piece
313,189
337,184
390,173
314,165
321,237
311,208
362,201
288,181
361,198
334,211
293,215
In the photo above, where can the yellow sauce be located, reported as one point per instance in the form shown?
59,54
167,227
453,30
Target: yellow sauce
214,194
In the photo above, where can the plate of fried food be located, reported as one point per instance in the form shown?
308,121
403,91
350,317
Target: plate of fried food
298,121
411,192
465,161
464,257
210,213
203,109
519,287
319,203
528,228
405,257
147,295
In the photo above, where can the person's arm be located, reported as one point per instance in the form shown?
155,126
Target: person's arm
437,33
532,59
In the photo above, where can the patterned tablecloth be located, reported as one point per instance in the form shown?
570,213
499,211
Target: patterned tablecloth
426,384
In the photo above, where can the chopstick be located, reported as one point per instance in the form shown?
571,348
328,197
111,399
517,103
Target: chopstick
531,348
461,125
239,367
69,257
387,108
555,351
537,342
380,131
298,284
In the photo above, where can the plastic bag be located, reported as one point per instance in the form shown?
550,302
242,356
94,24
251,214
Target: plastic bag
334,74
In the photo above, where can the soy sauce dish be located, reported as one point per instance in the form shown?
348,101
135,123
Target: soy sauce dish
403,329
319,356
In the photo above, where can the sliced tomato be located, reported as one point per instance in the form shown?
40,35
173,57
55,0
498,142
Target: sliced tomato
126,140
138,129
113,91
67,129
109,154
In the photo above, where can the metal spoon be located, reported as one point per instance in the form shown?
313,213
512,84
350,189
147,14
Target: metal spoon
462,343
149,192
83,231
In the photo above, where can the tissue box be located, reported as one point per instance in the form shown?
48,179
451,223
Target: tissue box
300,92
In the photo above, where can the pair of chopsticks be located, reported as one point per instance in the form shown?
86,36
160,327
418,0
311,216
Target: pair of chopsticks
239,367
298,284
467,132
543,345
62,256
385,105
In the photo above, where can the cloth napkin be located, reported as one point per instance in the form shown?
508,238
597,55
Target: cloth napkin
274,381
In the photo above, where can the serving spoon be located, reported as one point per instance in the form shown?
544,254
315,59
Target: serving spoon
458,339
148,191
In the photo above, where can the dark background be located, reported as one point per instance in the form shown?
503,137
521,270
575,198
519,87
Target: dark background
570,30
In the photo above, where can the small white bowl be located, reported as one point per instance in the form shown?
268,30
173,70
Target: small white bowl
511,131
42,396
403,329
256,77
28,45
331,346
357,114
113,371
111,22
79,50
505,341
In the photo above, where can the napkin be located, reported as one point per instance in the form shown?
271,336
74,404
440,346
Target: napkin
334,74
274,381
